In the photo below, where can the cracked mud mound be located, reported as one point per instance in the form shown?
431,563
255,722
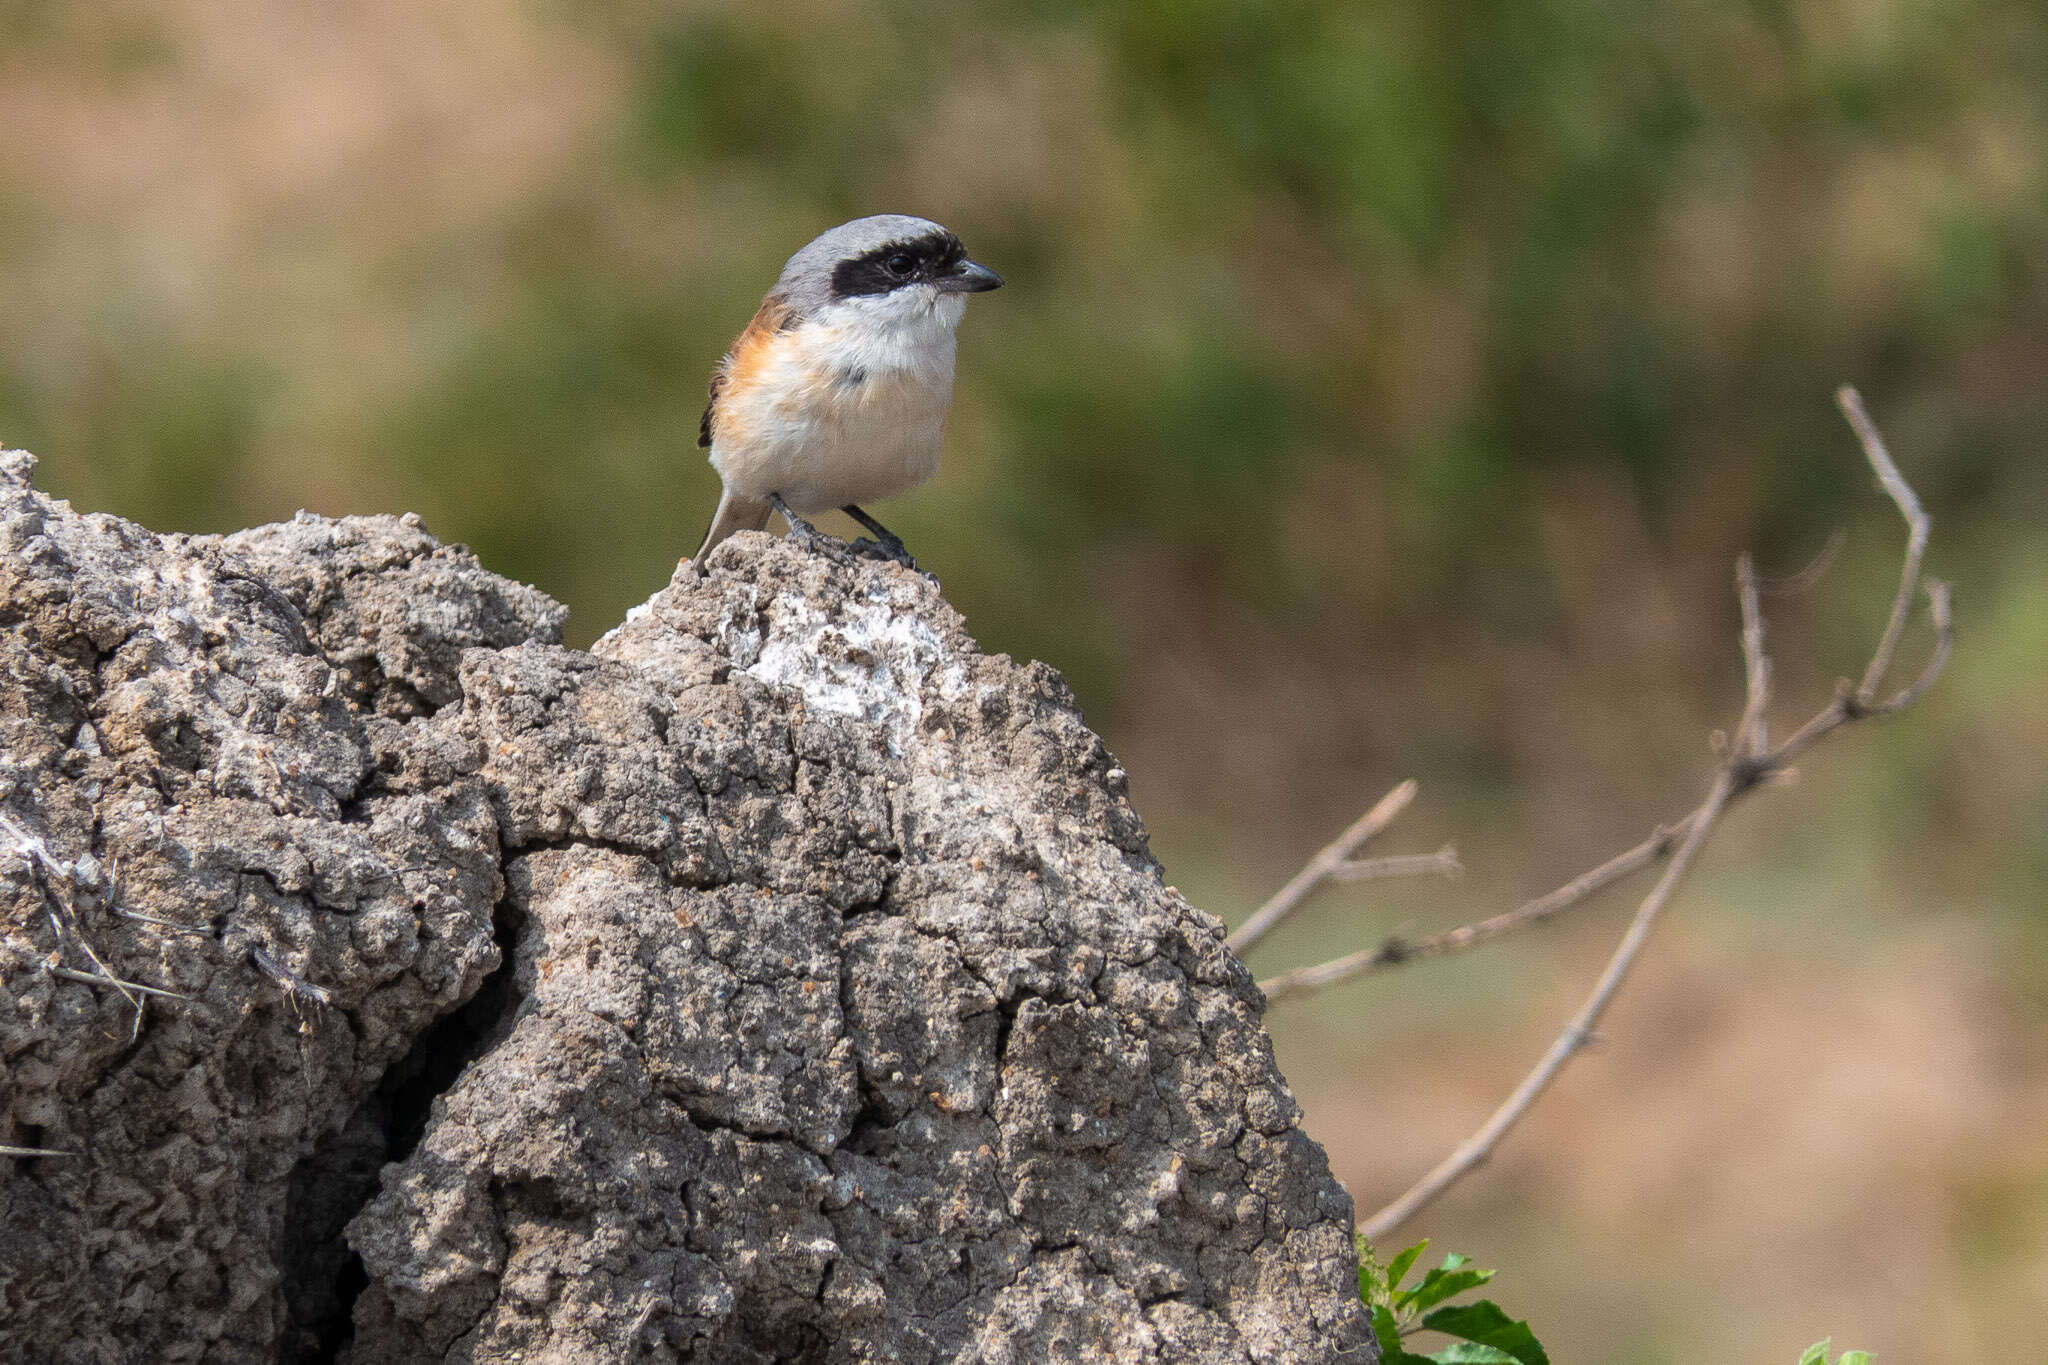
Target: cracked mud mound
783,979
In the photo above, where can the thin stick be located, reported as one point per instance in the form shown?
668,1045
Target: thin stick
1848,704
125,987
1940,612
33,1151
29,846
1917,530
1475,1149
1395,952
1743,748
1317,870
163,923
1444,862
1756,665
106,972
1747,762
46,870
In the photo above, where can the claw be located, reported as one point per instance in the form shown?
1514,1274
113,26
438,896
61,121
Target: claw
809,538
890,551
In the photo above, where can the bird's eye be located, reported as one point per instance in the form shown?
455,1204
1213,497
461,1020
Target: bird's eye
900,264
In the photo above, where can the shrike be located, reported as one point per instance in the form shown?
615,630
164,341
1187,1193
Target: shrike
836,393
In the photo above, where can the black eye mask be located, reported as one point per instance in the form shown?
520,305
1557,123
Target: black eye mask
895,264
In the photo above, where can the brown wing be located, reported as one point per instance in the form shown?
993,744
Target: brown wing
704,426
772,317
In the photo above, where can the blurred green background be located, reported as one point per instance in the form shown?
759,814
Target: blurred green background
1381,390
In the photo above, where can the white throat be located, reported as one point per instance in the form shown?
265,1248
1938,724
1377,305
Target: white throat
908,329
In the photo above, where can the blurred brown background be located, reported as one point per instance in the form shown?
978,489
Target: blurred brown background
1381,390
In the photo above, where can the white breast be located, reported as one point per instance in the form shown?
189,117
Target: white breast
847,407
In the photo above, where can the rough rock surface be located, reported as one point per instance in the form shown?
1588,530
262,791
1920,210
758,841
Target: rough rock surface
782,980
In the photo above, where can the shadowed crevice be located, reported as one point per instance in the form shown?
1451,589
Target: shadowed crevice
322,1274
436,1061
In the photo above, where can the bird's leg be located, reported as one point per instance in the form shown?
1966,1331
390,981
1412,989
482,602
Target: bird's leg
802,532
886,541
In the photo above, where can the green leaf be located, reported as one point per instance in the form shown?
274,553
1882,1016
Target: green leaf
1403,1262
1388,1331
1816,1354
1440,1284
1470,1353
1854,1358
1485,1324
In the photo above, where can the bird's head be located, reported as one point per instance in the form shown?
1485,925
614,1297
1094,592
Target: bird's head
890,268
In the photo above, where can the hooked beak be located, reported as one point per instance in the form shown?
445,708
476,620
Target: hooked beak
969,278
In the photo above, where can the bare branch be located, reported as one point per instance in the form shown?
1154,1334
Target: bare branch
1763,767
1749,742
1848,706
1747,762
33,1151
1442,863
1938,611
1318,869
1917,530
1395,952
125,987
1475,1149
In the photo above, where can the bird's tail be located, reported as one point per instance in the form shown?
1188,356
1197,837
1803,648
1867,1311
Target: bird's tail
734,513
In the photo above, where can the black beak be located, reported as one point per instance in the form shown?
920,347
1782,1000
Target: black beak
969,278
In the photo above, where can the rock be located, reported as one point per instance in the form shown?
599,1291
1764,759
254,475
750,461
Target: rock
783,979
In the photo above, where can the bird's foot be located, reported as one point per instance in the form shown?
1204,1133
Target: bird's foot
809,538
889,550
886,544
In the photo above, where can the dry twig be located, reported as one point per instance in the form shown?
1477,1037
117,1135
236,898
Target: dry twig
170,924
1748,760
1580,1031
1746,744
1394,952
58,881
1321,868
1917,529
126,988
1442,863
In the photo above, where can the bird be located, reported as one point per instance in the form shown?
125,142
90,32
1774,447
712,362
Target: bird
836,393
